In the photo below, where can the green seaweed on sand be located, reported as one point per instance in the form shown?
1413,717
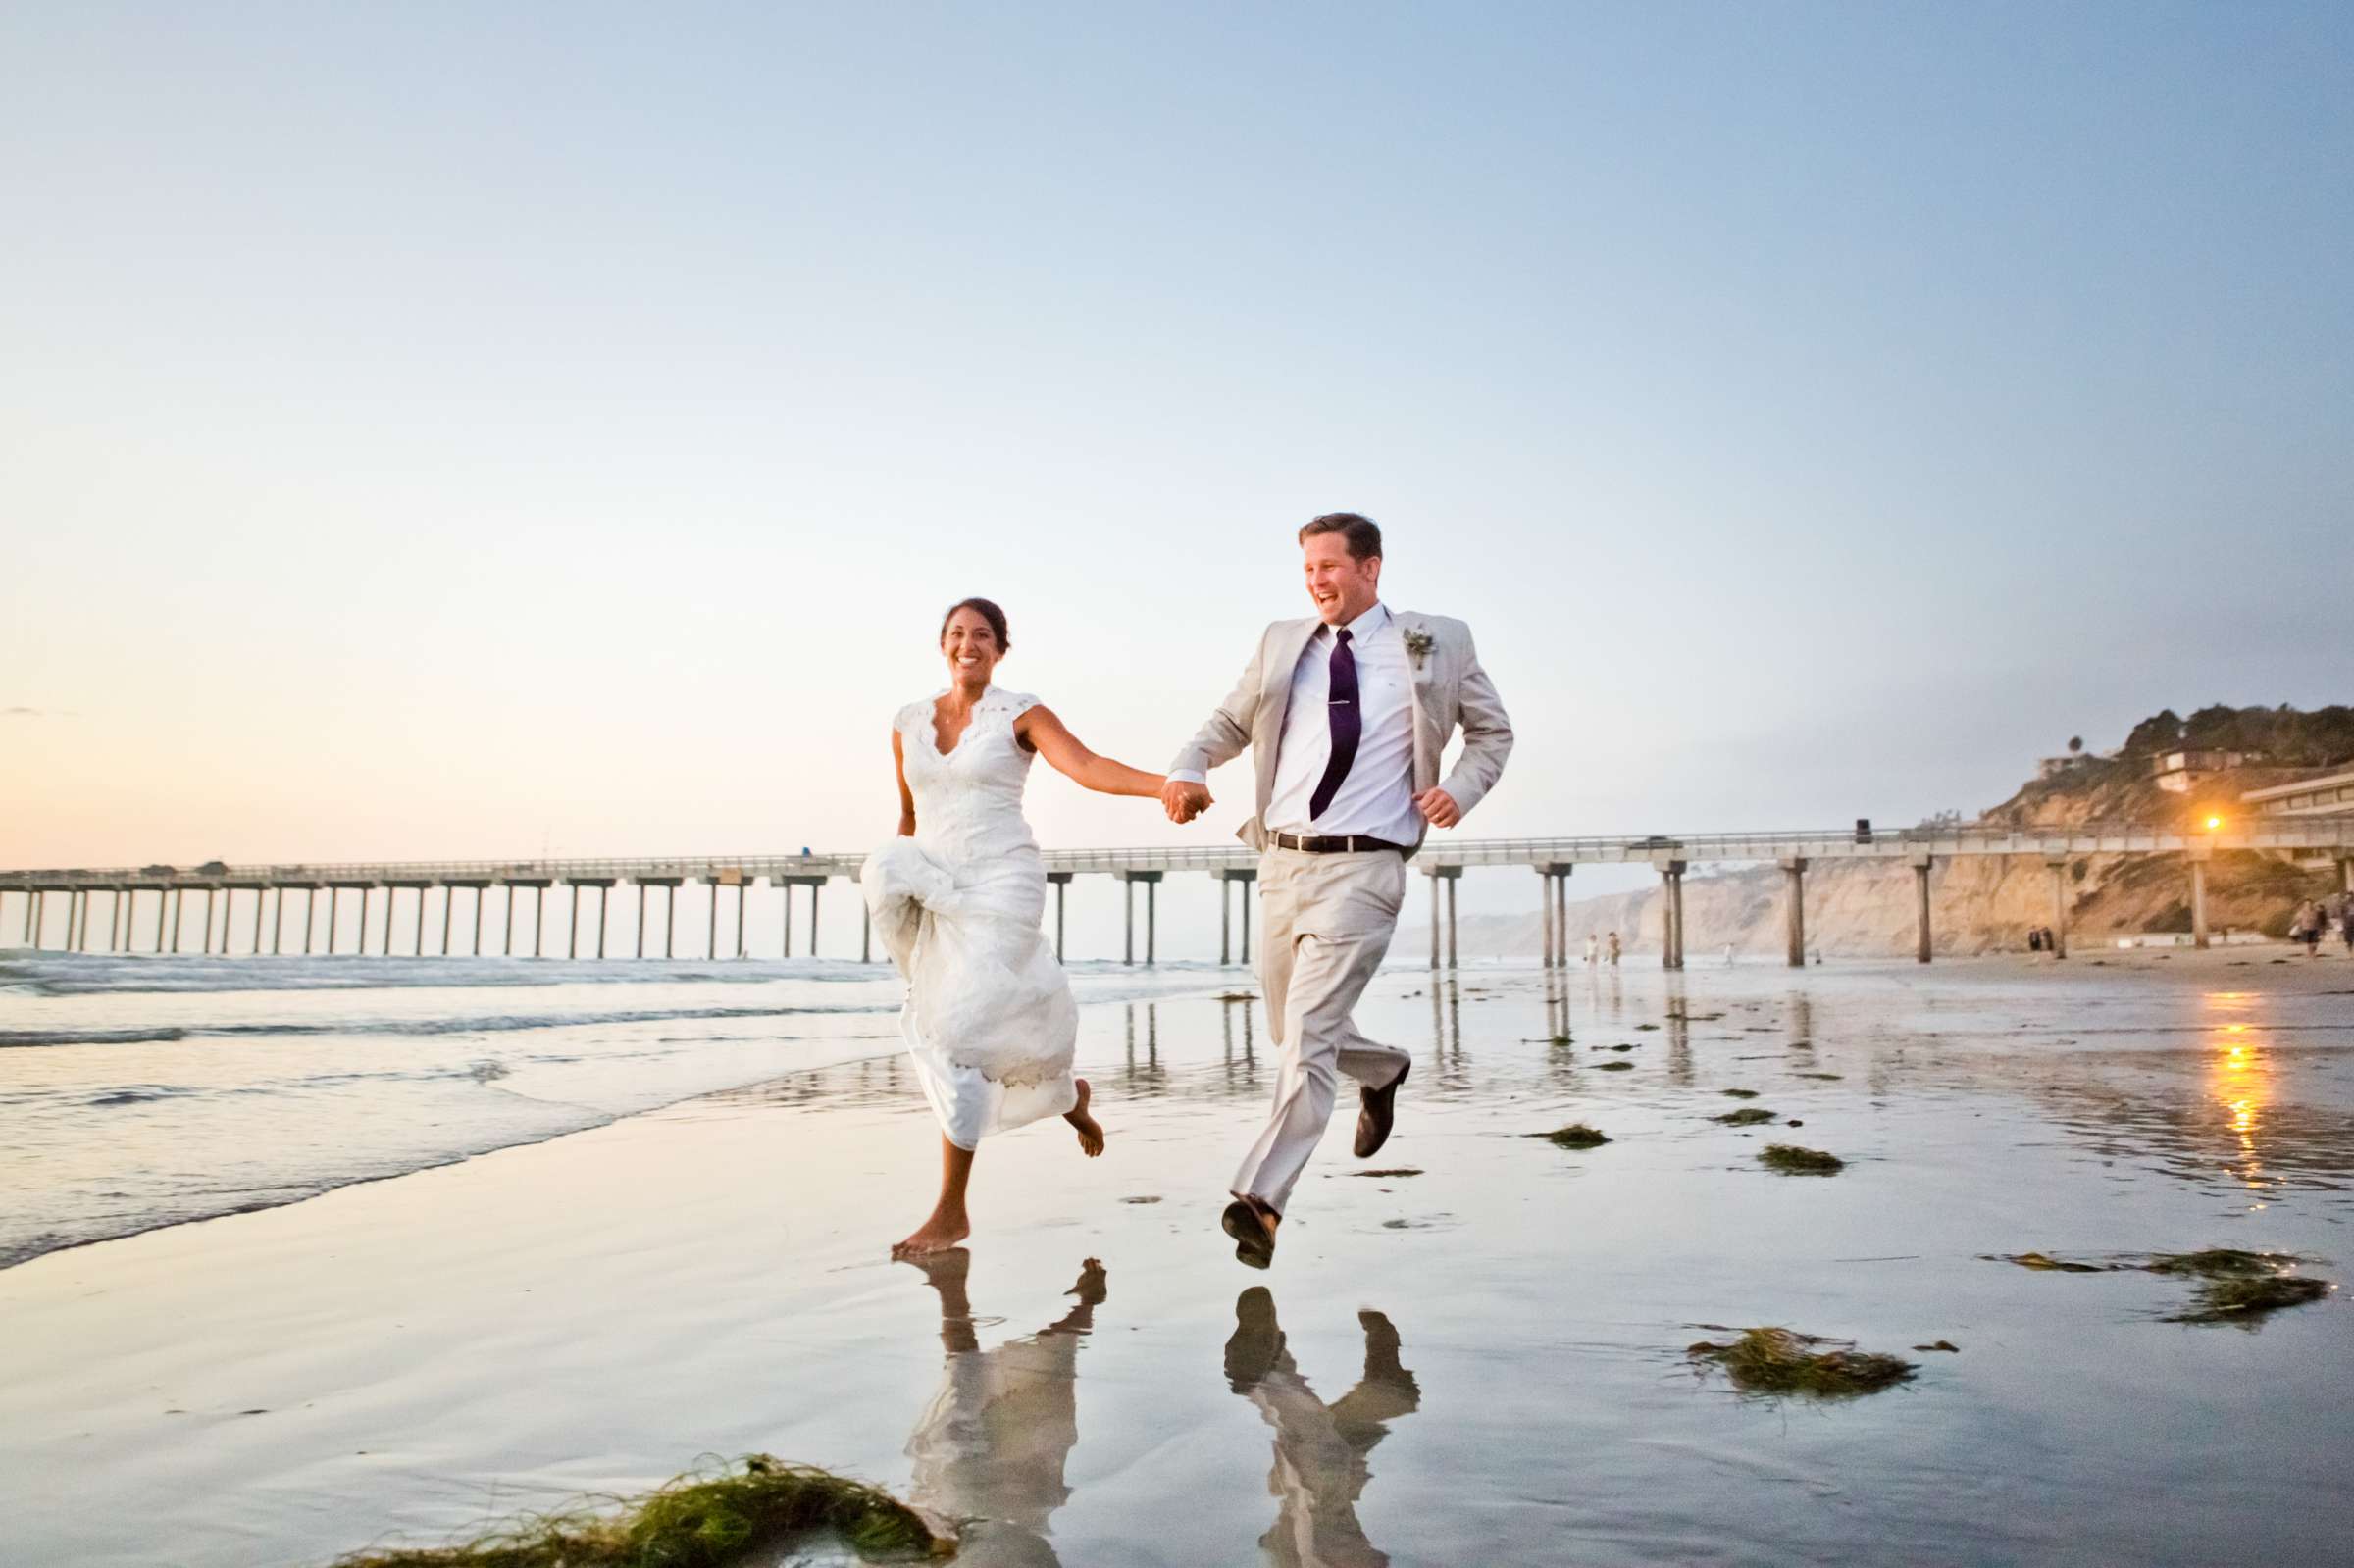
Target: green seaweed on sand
1739,1093
1393,1170
1577,1134
1773,1360
1746,1116
696,1521
1829,1078
1791,1160
1614,1067
2238,1299
2239,1287
2234,1286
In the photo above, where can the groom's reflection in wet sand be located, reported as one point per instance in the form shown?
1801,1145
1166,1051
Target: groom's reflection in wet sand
989,1450
1320,1448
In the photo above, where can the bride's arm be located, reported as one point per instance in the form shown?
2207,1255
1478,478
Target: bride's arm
1045,735
899,765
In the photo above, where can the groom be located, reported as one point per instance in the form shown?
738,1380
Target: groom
1347,712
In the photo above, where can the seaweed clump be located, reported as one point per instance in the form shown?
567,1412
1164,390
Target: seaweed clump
1614,1067
2243,1300
1746,1116
2239,1287
1791,1160
696,1521
1739,1093
1577,1134
2236,1285
1773,1360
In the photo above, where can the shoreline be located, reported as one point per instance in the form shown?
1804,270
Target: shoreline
1226,982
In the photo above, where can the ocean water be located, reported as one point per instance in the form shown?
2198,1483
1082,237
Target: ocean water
142,1092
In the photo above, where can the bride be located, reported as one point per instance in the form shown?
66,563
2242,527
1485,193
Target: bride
957,898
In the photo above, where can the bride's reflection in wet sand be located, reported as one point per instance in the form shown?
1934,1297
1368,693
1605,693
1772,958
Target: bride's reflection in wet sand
1320,1448
988,1452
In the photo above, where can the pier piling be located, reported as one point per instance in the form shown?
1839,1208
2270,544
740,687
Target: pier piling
1920,909
1061,882
1794,909
1151,882
2197,855
1442,912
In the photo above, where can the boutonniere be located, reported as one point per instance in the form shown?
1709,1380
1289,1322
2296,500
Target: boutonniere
1417,644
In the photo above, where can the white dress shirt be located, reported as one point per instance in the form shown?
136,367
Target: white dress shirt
1376,797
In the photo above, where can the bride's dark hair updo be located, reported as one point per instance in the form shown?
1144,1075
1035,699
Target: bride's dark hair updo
986,610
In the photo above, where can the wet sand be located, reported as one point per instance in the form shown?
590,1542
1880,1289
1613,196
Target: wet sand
1479,1363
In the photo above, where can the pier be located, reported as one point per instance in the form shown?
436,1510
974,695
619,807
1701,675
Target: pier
384,924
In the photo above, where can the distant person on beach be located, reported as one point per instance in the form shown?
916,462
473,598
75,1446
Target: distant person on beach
2345,921
1593,948
2035,938
1346,713
2306,928
1613,947
958,899
1728,955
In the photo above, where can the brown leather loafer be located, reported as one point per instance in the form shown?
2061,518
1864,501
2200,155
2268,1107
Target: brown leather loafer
1379,1113
1253,1236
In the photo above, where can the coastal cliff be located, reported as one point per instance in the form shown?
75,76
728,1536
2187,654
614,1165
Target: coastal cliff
1987,903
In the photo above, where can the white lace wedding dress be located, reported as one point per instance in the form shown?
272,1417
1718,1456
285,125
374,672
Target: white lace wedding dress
989,1018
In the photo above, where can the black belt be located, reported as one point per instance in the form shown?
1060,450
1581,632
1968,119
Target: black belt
1355,844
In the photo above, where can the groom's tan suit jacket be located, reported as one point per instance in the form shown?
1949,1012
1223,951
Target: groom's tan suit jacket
1451,692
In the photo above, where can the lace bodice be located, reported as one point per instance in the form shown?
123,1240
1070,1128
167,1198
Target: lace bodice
969,803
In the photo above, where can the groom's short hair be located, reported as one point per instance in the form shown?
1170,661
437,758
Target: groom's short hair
1361,534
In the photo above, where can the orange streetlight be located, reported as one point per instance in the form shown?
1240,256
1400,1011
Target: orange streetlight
2214,823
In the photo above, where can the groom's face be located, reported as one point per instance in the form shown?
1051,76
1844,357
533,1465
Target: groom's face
1341,586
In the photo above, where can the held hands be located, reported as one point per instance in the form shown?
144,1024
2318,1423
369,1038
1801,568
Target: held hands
1438,808
1184,801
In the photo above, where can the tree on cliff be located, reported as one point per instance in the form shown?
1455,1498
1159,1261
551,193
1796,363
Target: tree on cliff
2160,732
2287,737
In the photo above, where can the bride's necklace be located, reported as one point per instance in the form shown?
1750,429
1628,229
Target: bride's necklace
940,719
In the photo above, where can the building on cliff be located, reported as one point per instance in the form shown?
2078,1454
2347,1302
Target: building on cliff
2180,772
2331,794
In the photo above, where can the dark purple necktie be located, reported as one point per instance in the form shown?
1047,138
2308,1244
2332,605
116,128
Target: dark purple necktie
1341,712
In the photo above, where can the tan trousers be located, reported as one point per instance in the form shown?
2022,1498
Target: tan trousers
1328,923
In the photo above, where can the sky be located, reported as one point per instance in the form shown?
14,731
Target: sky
435,431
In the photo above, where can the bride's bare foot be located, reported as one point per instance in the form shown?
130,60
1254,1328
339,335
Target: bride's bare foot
1091,1132
937,1234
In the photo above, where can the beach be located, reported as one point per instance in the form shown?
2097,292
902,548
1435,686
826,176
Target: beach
1481,1355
